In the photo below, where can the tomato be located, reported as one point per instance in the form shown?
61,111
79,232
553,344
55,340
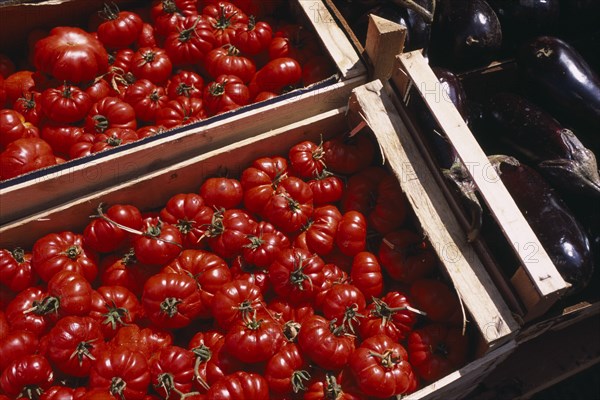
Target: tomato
108,231
228,230
381,368
69,293
185,83
7,66
29,106
16,344
366,274
113,137
190,43
110,112
316,69
327,188
406,256
59,392
333,275
70,54
253,339
351,235
392,315
114,307
260,180
344,303
320,230
212,363
13,126
227,60
295,41
147,341
189,213
66,103
236,301
222,192
159,244
181,111
121,370
25,155
152,63
18,84
328,387
226,93
147,36
306,159
21,311
98,89
437,301
4,325
73,344
277,75
210,271
436,350
245,271
29,375
285,312
348,155
171,300
225,19
297,275
264,244
287,371
328,345
120,28
146,98
391,207
62,136
15,269
254,38
291,206
120,69
172,371
166,14
263,96
62,251
240,385
123,269
150,130
361,189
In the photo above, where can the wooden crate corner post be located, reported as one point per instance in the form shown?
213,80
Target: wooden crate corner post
385,40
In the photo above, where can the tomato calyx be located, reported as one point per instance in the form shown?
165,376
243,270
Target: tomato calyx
114,316
73,252
385,312
186,35
18,254
113,141
217,89
32,392
387,359
290,330
224,20
297,276
109,12
83,350
255,243
203,354
169,306
166,381
298,379
28,101
351,315
251,23
169,7
333,390
100,123
48,305
337,330
117,387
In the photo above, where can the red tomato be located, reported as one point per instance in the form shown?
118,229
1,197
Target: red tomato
73,344
297,275
212,362
147,36
190,214
344,303
27,374
147,341
29,106
277,75
13,126
328,345
64,251
99,89
7,66
122,371
381,368
66,103
228,230
171,301
108,230
167,14
123,269
210,271
110,112
260,180
18,84
243,270
60,392
306,159
16,344
344,155
152,63
226,19
436,350
391,315
320,230
226,93
159,244
239,385
185,83
181,111
351,235
285,312
62,136
290,207
146,98
114,307
4,326
366,274
287,371
70,54
69,293
254,339
172,370
327,188
236,301
21,311
120,28
111,138
190,42
316,69
150,130
391,207
437,301
321,388
16,272
406,256
222,192
227,60
253,38
361,189
333,275
264,244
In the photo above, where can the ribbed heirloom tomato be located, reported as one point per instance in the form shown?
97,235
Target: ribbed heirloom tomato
227,60
114,307
25,155
105,232
13,126
30,375
120,28
189,213
326,343
16,272
297,274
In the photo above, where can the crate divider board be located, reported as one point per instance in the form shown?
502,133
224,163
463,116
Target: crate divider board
537,281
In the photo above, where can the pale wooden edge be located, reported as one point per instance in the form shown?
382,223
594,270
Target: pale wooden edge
472,282
153,190
459,383
334,39
55,188
385,39
542,272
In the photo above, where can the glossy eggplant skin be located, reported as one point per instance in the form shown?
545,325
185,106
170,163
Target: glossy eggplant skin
538,139
558,77
558,231
454,89
465,34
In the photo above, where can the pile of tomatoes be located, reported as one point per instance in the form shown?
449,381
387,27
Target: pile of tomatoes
133,74
301,278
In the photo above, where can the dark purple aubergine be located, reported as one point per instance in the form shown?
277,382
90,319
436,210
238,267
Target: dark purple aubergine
538,139
419,29
560,79
558,231
465,34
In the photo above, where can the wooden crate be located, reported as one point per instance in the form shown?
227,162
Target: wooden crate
488,314
537,286
51,186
